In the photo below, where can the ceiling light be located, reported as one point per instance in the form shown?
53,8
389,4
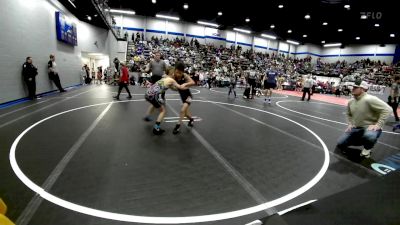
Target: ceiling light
340,30
219,13
293,42
323,42
89,17
241,30
363,17
72,3
154,1
333,45
208,24
95,15
289,31
357,38
185,6
347,6
324,23
247,20
272,26
280,6
304,35
122,11
391,35
167,17
376,25
268,36
307,16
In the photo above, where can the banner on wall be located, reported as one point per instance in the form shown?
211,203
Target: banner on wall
212,32
66,30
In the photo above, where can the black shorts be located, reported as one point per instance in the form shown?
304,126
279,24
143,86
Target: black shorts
268,85
157,101
186,96
252,82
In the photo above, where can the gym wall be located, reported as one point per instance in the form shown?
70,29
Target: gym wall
29,29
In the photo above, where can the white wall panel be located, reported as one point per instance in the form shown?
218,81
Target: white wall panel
155,24
33,23
194,29
273,45
133,22
386,49
230,35
177,27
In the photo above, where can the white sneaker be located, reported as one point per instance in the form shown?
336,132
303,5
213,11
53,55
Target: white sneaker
365,153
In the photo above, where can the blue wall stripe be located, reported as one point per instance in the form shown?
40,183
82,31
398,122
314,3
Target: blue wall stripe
259,46
233,42
245,44
176,33
273,49
302,53
133,28
283,51
216,38
195,36
315,54
15,102
342,55
356,54
329,55
384,54
156,31
306,53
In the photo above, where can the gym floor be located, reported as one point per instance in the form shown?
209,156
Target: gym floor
86,154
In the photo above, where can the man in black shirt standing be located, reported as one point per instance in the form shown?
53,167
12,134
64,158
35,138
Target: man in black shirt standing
53,73
29,72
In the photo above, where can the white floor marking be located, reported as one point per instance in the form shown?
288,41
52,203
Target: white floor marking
295,207
38,110
124,93
174,121
34,204
284,96
166,220
240,179
320,118
29,106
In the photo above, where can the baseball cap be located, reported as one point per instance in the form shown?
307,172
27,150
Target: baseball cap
361,84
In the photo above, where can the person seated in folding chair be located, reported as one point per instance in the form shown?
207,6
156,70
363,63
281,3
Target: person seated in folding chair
366,116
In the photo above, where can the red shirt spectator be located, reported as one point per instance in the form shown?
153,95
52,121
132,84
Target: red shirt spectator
125,75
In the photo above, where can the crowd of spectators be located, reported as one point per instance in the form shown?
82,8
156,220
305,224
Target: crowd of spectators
213,66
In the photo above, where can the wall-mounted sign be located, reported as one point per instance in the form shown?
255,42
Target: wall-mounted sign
212,32
66,30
